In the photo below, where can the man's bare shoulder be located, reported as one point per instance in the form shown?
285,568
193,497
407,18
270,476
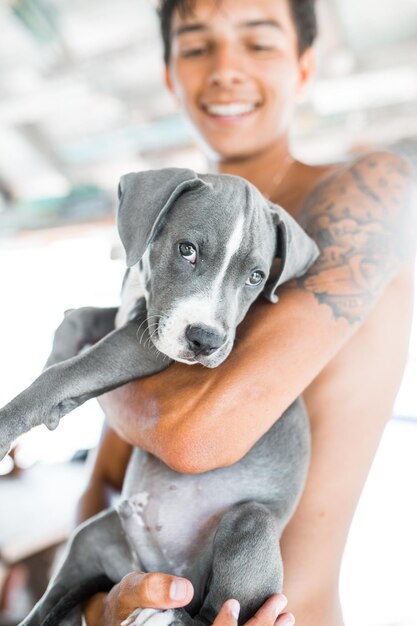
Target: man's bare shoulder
381,171
385,179
363,217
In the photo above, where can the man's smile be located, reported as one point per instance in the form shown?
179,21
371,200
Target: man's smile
230,109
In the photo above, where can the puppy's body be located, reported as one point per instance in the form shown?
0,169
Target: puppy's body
177,514
200,250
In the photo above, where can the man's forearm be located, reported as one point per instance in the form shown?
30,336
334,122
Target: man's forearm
242,398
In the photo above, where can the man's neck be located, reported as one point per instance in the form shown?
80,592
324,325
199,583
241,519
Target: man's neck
268,170
279,176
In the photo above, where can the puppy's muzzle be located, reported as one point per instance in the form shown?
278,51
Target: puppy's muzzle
203,340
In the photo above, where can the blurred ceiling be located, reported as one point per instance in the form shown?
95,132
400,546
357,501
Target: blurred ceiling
82,99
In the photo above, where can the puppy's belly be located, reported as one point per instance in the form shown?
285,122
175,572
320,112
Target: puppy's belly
169,518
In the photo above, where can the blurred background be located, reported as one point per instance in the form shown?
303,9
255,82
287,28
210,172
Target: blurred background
81,103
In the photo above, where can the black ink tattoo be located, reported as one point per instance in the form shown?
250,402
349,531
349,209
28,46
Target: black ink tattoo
362,185
363,218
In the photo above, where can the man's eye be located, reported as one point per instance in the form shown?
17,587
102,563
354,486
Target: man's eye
193,52
258,47
255,278
188,251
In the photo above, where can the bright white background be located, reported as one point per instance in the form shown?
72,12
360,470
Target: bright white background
81,105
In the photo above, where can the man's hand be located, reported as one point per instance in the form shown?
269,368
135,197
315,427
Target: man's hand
270,613
163,591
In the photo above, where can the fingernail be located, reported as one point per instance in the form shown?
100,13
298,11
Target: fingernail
178,589
280,604
289,620
234,608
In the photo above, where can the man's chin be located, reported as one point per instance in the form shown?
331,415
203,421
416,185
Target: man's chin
228,151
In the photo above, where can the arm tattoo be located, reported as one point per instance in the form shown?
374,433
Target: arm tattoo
363,219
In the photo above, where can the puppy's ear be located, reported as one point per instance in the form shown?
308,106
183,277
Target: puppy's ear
144,200
295,249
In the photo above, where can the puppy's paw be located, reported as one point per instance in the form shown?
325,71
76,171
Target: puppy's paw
155,617
151,617
22,414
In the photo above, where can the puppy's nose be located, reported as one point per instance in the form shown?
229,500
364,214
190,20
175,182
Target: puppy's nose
203,340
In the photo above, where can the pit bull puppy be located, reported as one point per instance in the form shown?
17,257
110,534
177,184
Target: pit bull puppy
200,249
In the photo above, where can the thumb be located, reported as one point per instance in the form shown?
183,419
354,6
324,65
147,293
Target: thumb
228,614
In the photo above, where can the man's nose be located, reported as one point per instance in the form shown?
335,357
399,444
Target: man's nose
226,66
202,339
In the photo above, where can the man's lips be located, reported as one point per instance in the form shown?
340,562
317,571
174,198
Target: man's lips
229,111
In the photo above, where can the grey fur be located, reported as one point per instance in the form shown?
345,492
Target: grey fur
144,200
220,528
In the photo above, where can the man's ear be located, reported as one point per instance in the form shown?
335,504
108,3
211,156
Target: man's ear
306,70
168,79
296,250
144,200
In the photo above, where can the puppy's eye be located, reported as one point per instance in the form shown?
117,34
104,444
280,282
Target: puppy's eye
255,278
188,251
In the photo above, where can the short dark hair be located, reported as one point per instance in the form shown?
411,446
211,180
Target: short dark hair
303,13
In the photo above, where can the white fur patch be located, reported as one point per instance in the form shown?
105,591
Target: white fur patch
133,289
152,617
194,310
132,510
232,247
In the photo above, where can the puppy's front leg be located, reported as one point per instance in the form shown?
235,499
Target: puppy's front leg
79,328
121,356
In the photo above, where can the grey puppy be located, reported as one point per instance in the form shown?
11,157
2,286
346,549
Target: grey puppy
200,250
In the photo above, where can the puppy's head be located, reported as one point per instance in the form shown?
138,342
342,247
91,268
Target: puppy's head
208,245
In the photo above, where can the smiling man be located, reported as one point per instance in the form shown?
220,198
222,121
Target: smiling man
339,335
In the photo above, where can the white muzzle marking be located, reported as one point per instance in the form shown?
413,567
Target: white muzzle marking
200,309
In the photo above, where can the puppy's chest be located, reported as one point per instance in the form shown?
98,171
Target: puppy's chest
133,289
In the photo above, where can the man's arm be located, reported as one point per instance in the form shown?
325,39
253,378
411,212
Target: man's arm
363,218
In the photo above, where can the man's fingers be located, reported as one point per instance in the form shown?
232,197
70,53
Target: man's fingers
286,619
228,614
162,591
155,590
270,613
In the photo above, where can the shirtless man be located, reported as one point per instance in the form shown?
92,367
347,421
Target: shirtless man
339,335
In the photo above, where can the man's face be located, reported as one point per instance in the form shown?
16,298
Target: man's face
236,73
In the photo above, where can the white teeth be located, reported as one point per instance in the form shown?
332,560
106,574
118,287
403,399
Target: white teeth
229,110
